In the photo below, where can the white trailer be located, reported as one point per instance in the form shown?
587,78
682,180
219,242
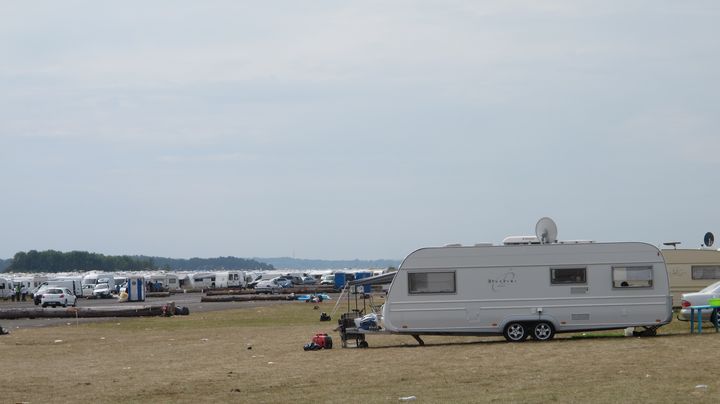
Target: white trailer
31,282
528,289
6,288
72,283
202,280
230,279
168,281
529,286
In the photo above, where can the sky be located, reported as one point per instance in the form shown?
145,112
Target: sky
354,129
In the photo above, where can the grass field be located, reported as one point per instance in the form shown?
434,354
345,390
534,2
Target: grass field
255,355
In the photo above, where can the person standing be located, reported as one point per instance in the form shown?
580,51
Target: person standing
18,290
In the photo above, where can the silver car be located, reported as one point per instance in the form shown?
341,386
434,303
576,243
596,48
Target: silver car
102,290
274,285
698,299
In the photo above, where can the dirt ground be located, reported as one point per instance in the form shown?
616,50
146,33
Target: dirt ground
255,354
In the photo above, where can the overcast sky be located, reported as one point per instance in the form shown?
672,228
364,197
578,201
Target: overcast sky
354,129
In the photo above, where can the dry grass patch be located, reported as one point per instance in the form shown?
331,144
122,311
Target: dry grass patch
206,357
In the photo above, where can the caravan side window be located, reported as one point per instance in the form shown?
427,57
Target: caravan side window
564,276
705,271
632,277
431,282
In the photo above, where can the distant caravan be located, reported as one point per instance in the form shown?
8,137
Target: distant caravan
691,270
529,287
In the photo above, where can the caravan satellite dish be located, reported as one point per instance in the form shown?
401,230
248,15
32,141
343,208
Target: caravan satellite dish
709,239
546,231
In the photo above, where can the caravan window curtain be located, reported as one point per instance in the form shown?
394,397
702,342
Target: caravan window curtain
705,271
632,276
431,282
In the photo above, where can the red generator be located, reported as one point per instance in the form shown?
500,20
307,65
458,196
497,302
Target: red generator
323,340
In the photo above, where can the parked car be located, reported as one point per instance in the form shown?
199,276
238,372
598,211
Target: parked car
37,294
252,283
308,280
102,290
698,299
284,282
57,297
294,279
273,285
328,279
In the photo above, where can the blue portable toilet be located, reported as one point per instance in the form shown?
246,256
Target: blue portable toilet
363,275
339,280
136,289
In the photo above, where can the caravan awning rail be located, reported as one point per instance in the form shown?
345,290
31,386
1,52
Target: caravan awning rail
374,280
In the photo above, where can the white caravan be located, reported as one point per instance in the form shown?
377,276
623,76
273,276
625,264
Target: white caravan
202,280
230,279
72,283
30,282
528,289
168,281
6,288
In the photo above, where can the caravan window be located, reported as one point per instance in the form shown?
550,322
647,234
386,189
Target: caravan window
632,277
564,276
431,282
705,271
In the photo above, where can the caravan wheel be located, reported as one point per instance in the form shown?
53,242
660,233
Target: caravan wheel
543,331
515,332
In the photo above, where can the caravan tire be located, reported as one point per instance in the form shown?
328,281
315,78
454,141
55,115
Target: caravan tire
543,331
515,332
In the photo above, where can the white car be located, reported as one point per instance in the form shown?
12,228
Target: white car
102,290
698,299
57,297
328,279
273,285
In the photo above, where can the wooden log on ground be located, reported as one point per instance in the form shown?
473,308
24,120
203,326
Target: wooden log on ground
225,292
243,298
81,312
309,289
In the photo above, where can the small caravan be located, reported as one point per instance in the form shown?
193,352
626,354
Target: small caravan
6,288
168,281
72,283
202,280
690,270
533,287
230,279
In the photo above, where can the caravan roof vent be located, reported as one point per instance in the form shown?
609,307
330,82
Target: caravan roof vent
521,240
453,245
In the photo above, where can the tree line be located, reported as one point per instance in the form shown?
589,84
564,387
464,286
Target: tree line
208,264
57,261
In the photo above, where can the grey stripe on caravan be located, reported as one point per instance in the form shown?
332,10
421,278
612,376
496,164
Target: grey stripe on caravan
543,299
531,307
